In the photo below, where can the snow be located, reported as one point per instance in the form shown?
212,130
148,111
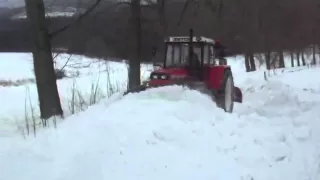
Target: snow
86,75
176,133
16,66
74,65
48,14
54,11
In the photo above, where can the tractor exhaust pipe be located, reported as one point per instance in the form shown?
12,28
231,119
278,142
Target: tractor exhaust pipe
190,53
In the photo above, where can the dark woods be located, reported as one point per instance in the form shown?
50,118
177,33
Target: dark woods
245,27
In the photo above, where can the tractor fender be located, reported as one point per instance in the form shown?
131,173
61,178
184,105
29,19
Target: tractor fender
216,76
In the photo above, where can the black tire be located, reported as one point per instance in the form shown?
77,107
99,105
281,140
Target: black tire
224,99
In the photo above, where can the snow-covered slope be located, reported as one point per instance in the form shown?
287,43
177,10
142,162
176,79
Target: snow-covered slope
174,133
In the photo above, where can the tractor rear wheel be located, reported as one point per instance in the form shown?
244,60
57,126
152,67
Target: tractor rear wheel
224,99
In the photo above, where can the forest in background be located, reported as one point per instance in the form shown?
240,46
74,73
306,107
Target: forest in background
245,27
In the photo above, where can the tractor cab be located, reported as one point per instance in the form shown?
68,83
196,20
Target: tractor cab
185,58
177,52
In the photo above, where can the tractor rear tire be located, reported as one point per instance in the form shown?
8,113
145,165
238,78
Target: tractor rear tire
224,99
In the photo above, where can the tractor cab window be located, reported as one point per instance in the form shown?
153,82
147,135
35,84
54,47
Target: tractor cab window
177,54
211,55
206,55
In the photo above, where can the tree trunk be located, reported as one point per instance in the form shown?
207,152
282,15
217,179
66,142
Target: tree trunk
162,16
303,59
281,59
43,62
247,63
134,64
314,61
252,62
298,58
292,59
319,51
268,60
218,18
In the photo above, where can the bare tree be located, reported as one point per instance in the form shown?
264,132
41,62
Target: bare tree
248,25
292,59
43,62
79,19
268,60
49,99
298,58
281,59
314,61
134,64
303,59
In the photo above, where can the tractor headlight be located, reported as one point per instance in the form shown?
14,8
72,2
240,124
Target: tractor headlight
177,77
159,76
154,76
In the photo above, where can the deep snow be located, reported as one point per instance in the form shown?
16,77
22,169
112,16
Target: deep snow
175,133
22,101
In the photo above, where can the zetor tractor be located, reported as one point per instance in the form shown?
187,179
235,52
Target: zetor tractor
190,61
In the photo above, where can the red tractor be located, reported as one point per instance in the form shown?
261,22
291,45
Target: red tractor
190,61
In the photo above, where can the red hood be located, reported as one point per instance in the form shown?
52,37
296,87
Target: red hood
176,71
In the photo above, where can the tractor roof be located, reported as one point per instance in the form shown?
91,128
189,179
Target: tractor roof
187,39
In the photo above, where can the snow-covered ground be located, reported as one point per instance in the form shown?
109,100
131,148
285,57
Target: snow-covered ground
92,80
175,133
19,66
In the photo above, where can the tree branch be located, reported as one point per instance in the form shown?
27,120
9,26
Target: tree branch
186,4
88,11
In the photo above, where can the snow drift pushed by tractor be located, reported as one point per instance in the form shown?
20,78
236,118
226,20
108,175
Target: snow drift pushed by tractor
191,61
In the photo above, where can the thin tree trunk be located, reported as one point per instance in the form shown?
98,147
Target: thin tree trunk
281,59
268,60
314,61
252,62
319,51
134,64
298,58
218,18
303,59
162,15
292,59
247,62
43,62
